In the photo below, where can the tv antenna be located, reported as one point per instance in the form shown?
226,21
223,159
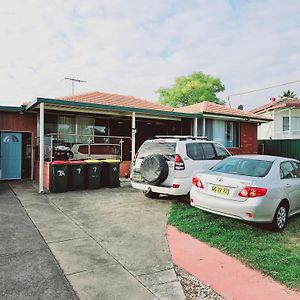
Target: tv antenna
73,82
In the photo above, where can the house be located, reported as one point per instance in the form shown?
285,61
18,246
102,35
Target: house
95,119
234,128
285,113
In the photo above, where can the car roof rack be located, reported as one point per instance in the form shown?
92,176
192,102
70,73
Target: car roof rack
181,137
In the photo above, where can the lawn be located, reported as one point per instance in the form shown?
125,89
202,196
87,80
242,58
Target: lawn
274,254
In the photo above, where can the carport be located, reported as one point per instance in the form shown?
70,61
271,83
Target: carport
138,123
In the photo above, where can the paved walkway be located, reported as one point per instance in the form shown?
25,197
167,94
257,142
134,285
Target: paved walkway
28,269
110,243
226,275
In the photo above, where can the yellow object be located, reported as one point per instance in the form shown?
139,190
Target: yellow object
92,161
110,161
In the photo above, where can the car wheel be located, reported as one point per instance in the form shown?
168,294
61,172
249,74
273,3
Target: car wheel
151,195
154,169
280,217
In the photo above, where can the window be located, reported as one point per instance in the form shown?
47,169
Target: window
225,132
295,123
221,152
285,123
167,149
66,129
209,152
244,166
101,126
287,170
195,151
85,129
296,171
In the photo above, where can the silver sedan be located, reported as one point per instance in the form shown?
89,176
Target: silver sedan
256,188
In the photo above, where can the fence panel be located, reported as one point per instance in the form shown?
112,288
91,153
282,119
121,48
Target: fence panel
286,148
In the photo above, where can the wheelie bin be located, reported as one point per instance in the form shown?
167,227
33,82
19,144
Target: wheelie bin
59,176
93,173
110,173
76,174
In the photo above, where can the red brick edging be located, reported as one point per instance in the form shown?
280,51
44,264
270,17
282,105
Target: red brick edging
224,274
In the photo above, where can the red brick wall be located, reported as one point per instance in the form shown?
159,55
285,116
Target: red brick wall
248,139
14,121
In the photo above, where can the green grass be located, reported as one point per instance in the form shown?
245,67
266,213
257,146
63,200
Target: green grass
274,254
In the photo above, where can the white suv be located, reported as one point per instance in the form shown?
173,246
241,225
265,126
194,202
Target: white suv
166,165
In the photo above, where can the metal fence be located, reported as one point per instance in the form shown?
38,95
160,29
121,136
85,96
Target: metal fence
285,148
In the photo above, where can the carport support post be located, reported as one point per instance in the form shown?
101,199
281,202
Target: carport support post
133,132
41,166
195,126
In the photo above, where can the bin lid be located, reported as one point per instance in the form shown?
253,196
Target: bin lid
76,162
110,161
92,161
59,162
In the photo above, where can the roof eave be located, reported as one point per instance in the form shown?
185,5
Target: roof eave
39,100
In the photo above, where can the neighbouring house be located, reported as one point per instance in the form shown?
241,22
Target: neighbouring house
102,125
285,113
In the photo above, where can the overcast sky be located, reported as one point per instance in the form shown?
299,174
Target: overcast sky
133,47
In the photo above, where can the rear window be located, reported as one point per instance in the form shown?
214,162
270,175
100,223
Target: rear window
163,148
243,166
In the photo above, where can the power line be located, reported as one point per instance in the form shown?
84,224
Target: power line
261,89
73,82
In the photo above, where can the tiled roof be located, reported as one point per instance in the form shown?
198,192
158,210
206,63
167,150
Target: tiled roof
281,103
213,108
116,100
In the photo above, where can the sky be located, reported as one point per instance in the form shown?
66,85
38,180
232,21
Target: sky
134,47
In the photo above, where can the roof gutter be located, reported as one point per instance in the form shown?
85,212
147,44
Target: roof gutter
33,104
236,118
11,108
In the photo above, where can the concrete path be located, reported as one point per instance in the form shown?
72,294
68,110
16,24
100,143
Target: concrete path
110,243
223,273
28,269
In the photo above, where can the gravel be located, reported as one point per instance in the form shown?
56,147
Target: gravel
193,288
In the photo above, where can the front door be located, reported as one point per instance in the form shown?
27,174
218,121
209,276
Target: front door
11,155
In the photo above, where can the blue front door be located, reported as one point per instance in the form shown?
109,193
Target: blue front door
11,155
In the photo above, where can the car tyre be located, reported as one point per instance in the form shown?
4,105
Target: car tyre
280,217
151,195
154,169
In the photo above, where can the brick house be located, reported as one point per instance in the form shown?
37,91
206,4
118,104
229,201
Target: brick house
235,129
94,120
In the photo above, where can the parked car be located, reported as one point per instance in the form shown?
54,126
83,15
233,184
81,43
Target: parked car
167,164
256,188
96,151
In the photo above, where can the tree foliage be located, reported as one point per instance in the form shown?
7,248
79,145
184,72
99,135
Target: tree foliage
191,89
288,94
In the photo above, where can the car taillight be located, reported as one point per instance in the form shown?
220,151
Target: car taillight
179,163
252,192
197,182
134,159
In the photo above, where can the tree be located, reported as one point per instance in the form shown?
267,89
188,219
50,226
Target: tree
288,94
191,89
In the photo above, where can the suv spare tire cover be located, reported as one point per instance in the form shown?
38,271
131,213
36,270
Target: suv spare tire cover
154,169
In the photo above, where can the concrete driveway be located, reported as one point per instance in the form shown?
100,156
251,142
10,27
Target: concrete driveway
110,243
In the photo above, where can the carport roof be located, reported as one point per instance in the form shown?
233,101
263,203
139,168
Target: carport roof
90,103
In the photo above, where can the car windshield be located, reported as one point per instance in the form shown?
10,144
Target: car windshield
244,166
157,147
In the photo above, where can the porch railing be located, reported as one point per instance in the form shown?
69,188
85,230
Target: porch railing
74,146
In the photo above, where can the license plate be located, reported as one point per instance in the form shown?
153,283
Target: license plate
220,190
